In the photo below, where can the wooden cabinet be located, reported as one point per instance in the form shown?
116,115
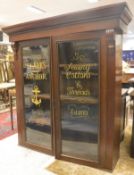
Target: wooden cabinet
68,79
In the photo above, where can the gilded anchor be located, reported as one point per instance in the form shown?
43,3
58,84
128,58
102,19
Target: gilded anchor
35,98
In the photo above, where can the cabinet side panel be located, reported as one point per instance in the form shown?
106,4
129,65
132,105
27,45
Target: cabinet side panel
19,94
110,97
103,101
113,98
118,75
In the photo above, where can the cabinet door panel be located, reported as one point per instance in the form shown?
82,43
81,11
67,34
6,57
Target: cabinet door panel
37,97
79,98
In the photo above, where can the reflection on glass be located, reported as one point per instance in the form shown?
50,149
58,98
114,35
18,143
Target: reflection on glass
79,83
36,93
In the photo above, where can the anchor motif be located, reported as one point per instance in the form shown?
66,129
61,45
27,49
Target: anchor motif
35,98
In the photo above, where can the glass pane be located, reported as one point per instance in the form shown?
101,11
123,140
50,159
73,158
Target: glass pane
79,94
36,68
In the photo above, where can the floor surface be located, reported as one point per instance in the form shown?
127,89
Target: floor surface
17,160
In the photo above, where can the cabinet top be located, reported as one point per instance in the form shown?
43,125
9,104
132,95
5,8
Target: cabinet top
119,12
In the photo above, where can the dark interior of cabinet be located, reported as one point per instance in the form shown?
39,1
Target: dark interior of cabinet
79,98
36,73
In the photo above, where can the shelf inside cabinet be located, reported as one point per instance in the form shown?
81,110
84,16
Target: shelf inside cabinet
33,67
89,100
80,65
42,121
43,96
39,125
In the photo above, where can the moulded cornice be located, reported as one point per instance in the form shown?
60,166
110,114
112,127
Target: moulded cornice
119,11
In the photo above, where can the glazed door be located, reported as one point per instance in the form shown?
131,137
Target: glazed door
37,93
78,115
